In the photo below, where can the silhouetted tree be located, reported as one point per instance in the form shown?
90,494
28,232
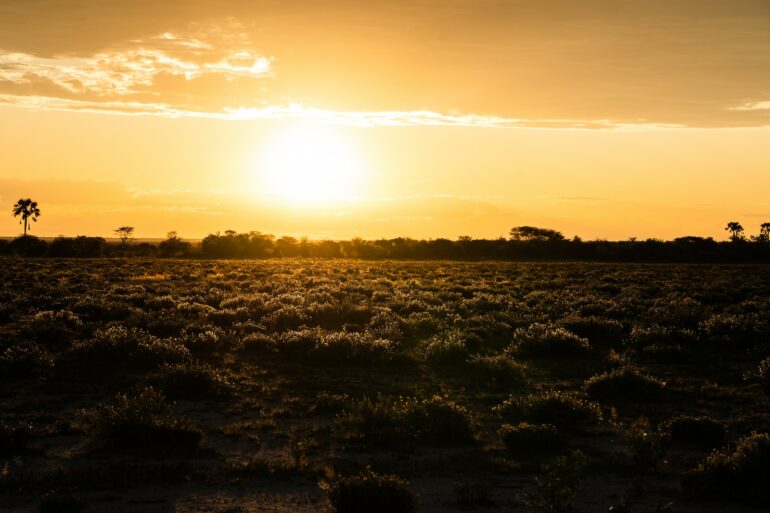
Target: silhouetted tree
26,209
173,245
764,233
736,231
527,233
124,233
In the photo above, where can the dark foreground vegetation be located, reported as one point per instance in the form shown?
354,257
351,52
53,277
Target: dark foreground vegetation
357,386
232,245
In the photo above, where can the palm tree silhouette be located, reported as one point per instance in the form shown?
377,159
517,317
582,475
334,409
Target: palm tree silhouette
27,209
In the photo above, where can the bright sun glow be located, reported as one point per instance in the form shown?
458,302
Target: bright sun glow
310,164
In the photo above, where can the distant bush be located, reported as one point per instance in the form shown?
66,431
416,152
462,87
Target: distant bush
598,330
525,440
624,384
702,431
344,346
560,409
735,331
447,349
141,422
13,438
53,329
434,421
740,472
188,381
496,371
551,342
25,360
128,347
371,493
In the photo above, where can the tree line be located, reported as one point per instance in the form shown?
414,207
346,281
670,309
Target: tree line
523,243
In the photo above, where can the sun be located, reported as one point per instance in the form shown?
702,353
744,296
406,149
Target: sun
310,164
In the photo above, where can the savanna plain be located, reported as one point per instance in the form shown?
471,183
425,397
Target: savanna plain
349,385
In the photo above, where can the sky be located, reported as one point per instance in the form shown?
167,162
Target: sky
423,118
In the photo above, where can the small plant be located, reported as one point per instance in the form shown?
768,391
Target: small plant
626,383
763,373
559,409
701,431
646,451
556,488
527,441
740,472
369,492
141,422
550,342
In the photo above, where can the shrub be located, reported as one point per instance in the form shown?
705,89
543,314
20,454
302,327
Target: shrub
563,410
702,431
53,329
496,371
626,383
371,493
188,381
740,472
598,330
434,421
525,440
13,439
141,422
128,347
23,361
447,349
544,341
345,346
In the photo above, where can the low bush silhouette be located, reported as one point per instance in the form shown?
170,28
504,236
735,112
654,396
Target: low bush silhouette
371,493
129,348
702,431
525,440
24,360
550,342
188,381
624,384
739,472
435,421
562,410
141,422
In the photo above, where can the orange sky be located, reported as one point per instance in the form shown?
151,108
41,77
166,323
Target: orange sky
602,118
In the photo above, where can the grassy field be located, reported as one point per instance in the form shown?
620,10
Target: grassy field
311,385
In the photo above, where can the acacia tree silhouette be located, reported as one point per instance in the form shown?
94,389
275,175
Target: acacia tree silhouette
27,209
124,233
736,231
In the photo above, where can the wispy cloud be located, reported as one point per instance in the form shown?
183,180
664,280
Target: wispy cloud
301,113
753,106
135,66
